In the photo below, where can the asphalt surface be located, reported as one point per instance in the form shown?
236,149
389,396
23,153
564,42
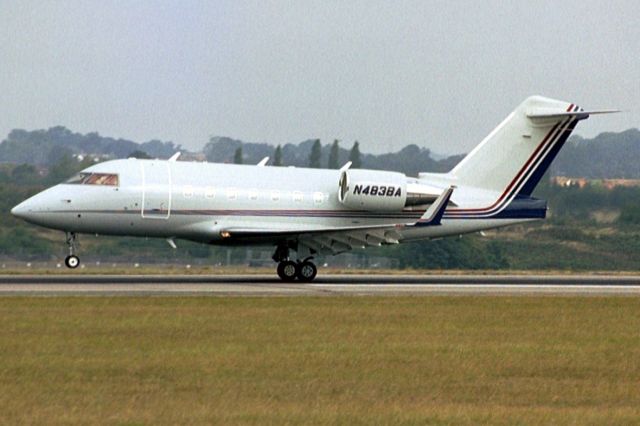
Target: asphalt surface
328,285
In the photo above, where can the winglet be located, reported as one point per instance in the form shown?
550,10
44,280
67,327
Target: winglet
175,156
434,213
263,162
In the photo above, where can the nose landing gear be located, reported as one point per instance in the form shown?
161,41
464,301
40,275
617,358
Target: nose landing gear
72,261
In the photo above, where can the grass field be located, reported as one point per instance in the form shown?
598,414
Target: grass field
352,360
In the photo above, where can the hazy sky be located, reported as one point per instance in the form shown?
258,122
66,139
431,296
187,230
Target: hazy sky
437,74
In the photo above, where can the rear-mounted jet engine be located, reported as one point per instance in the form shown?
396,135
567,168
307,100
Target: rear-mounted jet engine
382,191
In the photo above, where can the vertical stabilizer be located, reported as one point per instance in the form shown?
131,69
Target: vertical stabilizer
514,156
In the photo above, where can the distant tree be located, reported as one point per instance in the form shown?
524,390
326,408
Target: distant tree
66,167
139,154
24,242
630,213
277,156
354,156
316,155
24,173
159,149
334,155
57,154
237,157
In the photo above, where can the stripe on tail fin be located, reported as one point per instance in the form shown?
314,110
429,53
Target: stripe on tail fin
513,158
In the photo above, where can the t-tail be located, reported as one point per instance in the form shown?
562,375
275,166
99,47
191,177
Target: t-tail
512,159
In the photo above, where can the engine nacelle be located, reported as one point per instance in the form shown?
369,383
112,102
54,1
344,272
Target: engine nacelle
372,190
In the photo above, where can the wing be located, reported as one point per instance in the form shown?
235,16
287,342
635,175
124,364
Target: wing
340,239
325,241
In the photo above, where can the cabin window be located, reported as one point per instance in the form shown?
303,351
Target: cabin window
232,193
253,194
275,196
298,197
318,197
84,178
209,192
187,191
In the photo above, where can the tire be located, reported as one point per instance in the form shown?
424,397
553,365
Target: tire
72,262
287,270
306,271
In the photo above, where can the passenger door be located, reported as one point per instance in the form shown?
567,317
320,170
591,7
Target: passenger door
156,190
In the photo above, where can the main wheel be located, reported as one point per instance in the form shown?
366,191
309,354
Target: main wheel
306,271
72,261
287,270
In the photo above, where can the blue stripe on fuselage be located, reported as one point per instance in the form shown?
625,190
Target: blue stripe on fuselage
524,208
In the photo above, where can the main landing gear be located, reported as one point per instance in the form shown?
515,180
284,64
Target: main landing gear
304,271
72,261
289,271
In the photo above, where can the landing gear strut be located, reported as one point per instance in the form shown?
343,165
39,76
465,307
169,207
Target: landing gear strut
288,270
72,261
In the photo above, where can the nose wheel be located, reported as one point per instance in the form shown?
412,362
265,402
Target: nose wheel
72,261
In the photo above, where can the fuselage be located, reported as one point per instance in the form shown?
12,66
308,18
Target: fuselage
197,201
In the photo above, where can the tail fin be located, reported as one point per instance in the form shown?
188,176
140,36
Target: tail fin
514,156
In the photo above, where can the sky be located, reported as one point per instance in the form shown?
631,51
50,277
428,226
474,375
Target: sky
439,74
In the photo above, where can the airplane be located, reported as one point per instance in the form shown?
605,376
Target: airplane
313,211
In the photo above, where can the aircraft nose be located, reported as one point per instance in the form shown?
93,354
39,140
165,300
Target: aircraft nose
40,209
21,210
31,208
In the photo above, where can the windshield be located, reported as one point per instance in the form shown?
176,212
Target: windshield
85,178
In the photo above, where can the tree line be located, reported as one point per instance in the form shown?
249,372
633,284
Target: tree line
608,155
315,156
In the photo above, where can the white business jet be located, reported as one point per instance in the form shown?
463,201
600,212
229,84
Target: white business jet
313,211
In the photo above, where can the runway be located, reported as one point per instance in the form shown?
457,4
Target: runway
328,285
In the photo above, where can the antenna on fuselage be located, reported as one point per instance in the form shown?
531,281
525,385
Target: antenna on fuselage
346,166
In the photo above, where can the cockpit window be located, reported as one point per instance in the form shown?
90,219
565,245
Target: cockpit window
84,178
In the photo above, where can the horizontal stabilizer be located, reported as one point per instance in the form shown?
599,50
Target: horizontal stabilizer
433,215
552,113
